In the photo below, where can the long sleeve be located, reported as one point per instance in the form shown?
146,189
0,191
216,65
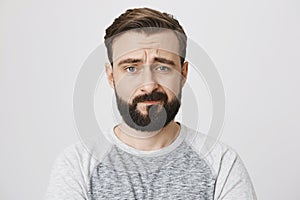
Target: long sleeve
233,181
69,176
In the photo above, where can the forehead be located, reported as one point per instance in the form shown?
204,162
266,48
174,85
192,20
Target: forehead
162,42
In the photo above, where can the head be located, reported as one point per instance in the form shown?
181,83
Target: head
146,50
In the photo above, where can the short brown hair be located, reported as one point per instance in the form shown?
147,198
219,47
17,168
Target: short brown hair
135,19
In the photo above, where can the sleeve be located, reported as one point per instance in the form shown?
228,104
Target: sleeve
233,181
67,180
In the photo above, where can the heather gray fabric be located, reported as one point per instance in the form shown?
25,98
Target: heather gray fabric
186,169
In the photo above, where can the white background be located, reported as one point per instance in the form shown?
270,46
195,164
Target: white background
254,44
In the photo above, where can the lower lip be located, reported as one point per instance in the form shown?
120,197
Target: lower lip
151,102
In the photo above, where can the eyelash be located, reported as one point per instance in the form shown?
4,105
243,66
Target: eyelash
129,68
165,68
159,68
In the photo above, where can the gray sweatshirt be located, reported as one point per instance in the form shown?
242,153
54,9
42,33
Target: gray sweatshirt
194,166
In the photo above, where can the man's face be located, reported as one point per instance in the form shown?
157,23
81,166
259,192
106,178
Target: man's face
147,77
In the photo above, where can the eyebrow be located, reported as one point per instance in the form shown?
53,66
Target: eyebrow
156,59
164,60
129,61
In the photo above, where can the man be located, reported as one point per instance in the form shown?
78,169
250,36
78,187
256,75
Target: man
149,155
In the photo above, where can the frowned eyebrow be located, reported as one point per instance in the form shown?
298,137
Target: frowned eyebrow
129,61
156,59
164,60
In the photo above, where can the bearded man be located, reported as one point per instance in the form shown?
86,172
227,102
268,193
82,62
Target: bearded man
149,155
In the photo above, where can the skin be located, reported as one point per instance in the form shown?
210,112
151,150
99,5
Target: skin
142,64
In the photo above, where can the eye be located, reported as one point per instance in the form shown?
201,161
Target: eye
131,69
163,68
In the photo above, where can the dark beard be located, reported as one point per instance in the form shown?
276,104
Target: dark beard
157,116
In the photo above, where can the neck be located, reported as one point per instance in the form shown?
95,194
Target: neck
147,141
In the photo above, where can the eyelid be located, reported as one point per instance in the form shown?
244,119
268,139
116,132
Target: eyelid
154,67
165,66
125,68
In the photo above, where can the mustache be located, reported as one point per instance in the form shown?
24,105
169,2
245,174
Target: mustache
154,96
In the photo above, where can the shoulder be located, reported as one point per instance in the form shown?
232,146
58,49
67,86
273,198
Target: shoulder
216,153
84,155
74,162
75,154
232,178
72,169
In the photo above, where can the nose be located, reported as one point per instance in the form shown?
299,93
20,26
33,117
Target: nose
149,83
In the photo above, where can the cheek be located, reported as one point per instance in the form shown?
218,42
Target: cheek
126,87
171,85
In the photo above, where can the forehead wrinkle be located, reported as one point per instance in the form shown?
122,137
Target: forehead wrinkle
150,44
130,41
147,55
153,55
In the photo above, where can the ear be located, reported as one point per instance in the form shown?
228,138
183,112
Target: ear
109,74
184,72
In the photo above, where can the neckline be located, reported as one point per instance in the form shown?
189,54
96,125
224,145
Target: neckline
152,153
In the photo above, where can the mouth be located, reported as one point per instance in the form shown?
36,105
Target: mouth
145,105
151,102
